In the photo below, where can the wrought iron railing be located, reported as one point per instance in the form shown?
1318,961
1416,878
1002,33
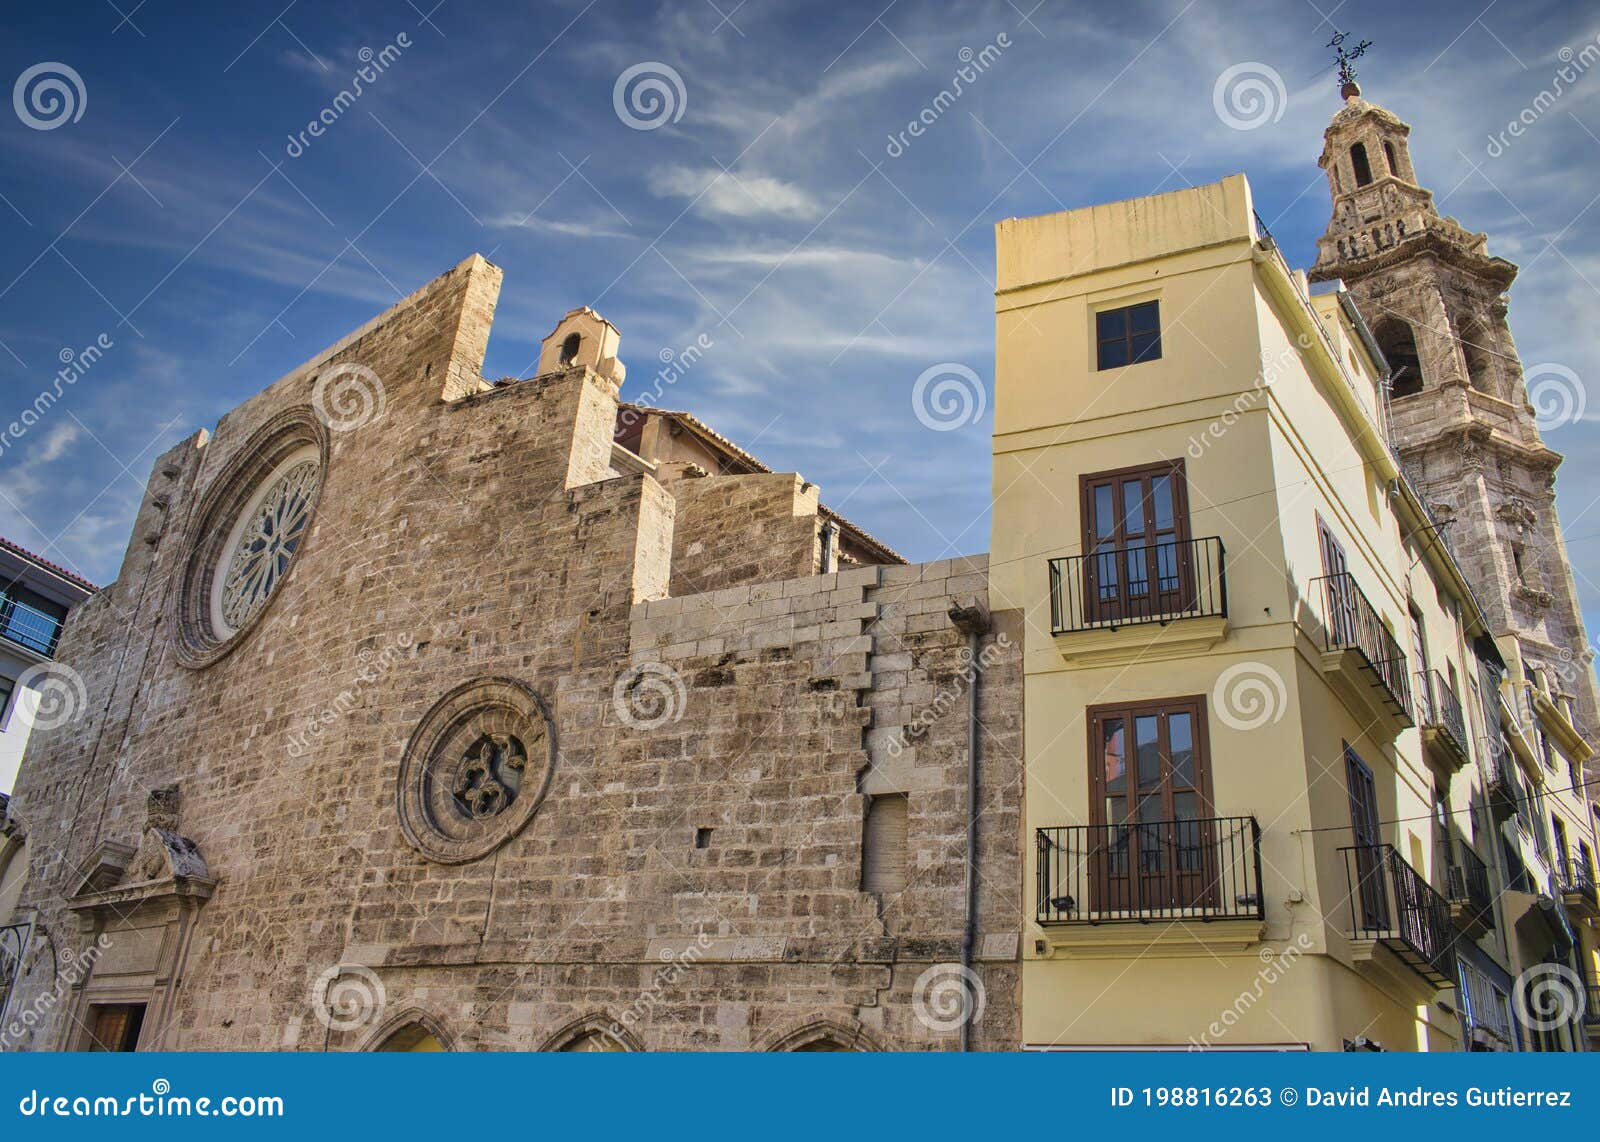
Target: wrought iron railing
1140,583
1394,904
1439,709
1503,789
1469,888
1201,870
1351,622
28,626
1591,1010
1575,877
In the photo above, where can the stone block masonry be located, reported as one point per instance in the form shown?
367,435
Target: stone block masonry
721,718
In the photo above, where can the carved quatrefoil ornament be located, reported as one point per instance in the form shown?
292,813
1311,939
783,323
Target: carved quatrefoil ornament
475,770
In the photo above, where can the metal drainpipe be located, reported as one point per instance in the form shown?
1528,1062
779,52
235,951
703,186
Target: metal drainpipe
972,621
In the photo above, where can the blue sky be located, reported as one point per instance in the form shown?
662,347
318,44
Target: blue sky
769,214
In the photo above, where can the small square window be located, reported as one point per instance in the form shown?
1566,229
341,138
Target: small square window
702,838
1127,336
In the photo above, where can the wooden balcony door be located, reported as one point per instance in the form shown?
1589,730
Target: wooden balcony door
1137,562
1154,842
1372,903
1341,600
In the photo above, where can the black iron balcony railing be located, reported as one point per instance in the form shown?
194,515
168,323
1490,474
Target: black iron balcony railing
1351,622
1393,904
1471,902
1576,881
27,626
1192,870
1141,583
1591,1010
1501,785
1439,711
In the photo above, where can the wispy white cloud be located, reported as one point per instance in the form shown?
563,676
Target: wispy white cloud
719,192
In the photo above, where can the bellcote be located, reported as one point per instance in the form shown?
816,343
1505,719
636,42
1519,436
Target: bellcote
1381,213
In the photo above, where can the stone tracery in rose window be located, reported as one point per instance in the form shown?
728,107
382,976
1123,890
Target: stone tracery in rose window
262,554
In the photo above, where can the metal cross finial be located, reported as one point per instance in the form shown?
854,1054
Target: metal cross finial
1347,71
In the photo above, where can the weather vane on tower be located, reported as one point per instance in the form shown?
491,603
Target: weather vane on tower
1347,59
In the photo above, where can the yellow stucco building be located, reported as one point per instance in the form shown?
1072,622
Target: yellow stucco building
1270,801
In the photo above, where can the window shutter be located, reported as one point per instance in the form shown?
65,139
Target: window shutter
883,844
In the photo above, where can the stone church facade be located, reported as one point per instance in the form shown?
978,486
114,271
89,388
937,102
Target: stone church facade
429,711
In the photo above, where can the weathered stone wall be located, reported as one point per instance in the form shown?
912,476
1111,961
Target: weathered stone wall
738,530
480,537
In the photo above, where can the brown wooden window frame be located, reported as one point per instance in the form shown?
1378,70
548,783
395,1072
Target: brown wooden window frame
1127,335
1156,601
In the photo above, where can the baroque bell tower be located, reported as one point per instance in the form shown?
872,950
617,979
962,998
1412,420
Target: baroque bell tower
1459,412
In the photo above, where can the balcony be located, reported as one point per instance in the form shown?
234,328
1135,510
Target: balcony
1443,724
1574,873
1113,599
1157,871
1502,789
1471,902
1591,1013
1392,906
28,627
1361,656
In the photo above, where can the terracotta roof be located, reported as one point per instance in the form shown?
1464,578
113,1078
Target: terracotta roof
23,552
716,439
